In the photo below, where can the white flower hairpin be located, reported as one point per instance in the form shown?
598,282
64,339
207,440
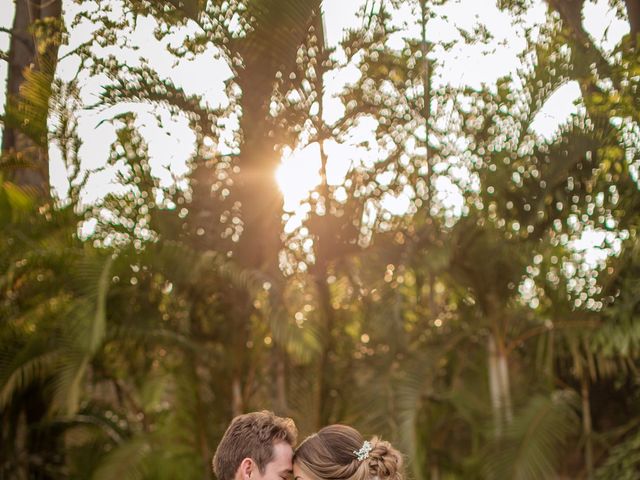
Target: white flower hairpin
364,451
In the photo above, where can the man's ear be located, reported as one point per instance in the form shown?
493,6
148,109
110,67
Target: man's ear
246,468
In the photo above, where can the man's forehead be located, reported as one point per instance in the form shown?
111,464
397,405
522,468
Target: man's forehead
282,455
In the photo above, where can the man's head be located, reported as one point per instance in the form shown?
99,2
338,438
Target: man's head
256,446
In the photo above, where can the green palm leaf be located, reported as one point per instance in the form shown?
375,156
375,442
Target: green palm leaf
623,462
531,445
26,371
29,110
15,203
125,462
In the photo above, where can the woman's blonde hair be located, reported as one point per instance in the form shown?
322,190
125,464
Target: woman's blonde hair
332,454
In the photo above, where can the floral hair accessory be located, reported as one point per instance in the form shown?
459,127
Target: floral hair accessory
364,451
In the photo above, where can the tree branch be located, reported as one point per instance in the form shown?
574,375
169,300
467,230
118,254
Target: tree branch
570,12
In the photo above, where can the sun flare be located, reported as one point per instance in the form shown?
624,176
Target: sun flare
298,174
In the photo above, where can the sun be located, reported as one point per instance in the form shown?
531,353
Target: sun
298,174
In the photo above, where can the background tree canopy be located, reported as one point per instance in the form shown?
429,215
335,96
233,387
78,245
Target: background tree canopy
431,284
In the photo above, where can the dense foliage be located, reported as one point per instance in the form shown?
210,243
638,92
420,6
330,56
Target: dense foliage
467,327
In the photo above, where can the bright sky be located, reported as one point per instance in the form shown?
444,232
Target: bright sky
172,144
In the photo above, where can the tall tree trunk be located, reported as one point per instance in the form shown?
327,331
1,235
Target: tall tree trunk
200,410
270,47
33,52
494,386
282,406
280,357
505,387
586,424
261,205
325,371
499,385
237,404
633,12
435,472
327,244
241,335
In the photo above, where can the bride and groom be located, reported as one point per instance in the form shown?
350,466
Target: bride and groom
260,446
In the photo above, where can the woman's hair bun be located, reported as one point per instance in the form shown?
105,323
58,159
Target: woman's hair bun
340,452
384,462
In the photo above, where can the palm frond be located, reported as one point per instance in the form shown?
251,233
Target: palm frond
59,356
67,384
125,462
26,371
16,202
99,324
29,110
623,462
532,443
301,342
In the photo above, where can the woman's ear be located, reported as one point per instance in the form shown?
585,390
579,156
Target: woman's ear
246,468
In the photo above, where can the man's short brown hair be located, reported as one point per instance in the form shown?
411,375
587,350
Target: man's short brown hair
251,435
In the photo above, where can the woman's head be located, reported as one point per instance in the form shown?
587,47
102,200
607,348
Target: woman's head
336,452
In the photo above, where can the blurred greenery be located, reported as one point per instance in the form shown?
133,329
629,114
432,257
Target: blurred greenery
479,339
